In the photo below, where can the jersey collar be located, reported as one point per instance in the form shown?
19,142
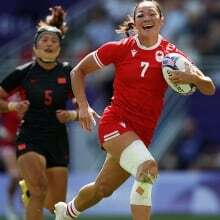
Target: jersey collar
147,48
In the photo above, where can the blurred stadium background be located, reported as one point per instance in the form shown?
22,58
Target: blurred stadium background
187,141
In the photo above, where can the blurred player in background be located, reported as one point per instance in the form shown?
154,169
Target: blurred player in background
42,144
127,125
9,122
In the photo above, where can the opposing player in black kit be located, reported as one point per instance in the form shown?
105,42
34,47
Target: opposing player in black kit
42,144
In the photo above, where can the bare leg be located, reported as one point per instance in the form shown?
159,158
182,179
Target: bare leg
108,180
140,212
57,186
33,170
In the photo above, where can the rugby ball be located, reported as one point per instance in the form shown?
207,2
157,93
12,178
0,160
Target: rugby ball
175,61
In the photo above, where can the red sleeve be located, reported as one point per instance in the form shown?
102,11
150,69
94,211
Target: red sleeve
108,53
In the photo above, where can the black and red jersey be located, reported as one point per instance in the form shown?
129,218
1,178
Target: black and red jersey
46,90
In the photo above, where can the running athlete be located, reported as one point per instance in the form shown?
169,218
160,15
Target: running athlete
42,143
127,125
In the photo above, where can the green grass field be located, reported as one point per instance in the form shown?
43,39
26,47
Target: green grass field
156,217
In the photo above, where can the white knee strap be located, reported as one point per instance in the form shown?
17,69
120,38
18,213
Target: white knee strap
141,194
133,156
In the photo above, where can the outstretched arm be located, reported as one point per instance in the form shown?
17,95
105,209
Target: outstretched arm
78,74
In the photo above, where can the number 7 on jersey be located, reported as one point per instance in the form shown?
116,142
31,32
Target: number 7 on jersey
145,66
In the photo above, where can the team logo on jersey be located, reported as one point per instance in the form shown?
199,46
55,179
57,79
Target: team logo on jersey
159,56
133,52
123,124
21,146
61,80
170,47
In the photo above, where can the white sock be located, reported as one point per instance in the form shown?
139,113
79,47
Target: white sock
71,210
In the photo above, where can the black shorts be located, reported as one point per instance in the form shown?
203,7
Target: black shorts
53,146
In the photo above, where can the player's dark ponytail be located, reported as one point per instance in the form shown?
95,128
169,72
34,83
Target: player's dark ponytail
126,27
55,19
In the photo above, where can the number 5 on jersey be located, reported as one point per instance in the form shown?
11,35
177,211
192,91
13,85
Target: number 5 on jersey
144,66
48,99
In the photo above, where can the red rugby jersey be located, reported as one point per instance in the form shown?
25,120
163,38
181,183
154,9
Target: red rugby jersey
139,86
